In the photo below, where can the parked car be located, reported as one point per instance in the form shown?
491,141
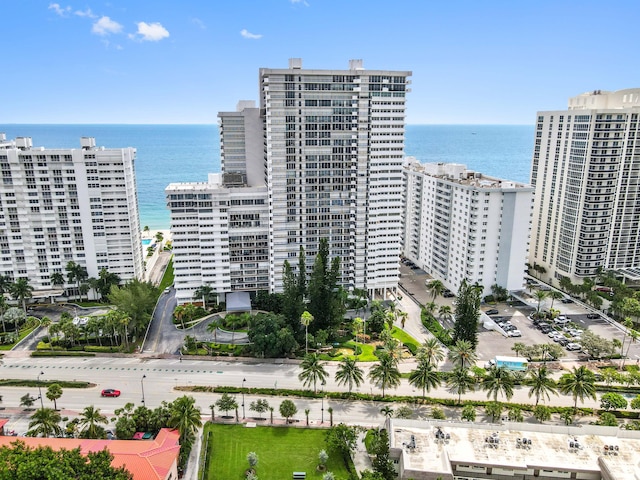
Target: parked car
515,333
573,347
563,341
509,328
593,315
545,328
561,320
110,392
448,294
493,311
567,300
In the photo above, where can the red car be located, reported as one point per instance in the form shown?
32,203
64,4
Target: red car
110,392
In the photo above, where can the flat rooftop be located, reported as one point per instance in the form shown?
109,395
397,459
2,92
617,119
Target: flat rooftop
551,448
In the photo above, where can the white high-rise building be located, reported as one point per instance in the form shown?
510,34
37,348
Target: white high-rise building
586,174
462,225
327,147
62,205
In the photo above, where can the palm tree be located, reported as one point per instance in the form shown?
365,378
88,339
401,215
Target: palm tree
541,384
431,351
425,377
403,317
462,354
3,308
305,320
445,312
54,392
539,295
459,382
385,374
580,383
204,293
90,421
430,307
312,371
45,422
554,295
518,348
349,373
21,290
185,417
498,380
387,411
76,273
212,327
436,287
5,282
56,279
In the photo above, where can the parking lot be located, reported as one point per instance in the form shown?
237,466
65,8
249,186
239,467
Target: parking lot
492,343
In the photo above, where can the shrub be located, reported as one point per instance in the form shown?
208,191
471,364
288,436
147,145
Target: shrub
49,353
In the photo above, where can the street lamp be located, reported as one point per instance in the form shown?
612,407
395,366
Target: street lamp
40,391
322,398
243,380
142,386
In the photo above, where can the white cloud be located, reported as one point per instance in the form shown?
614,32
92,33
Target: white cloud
85,13
303,2
199,23
247,34
62,11
106,26
152,32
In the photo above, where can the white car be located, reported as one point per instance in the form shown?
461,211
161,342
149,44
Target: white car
573,347
515,333
553,334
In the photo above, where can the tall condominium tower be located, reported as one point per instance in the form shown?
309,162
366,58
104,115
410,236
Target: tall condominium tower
334,154
327,146
62,205
586,174
463,225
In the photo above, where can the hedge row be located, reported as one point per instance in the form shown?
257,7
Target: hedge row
43,353
45,383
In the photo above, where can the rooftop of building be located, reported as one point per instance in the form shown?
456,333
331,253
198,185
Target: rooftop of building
458,173
603,99
519,446
356,66
145,459
26,143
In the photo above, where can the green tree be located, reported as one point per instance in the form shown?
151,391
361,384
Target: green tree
498,380
424,377
436,287
542,413
259,406
460,382
493,410
25,463
136,300
431,351
462,354
539,296
608,419
381,463
515,414
312,371
252,460
185,417
21,290
27,400
445,313
271,337
541,383
226,402
305,319
468,413
76,273
104,282
293,295
518,348
54,392
467,305
288,409
325,299
342,439
207,294
635,402
45,422
580,384
385,374
90,422
613,401
349,373
387,411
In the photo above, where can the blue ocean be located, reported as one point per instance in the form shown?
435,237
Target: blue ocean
187,153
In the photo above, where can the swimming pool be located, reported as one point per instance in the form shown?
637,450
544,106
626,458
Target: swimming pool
146,242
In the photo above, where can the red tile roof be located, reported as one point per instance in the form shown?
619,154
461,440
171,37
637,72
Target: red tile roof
145,459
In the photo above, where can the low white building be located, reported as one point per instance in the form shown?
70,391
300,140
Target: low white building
61,205
460,224
428,450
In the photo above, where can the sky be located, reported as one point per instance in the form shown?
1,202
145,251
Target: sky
161,61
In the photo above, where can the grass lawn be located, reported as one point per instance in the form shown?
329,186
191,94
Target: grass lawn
281,451
404,337
367,355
